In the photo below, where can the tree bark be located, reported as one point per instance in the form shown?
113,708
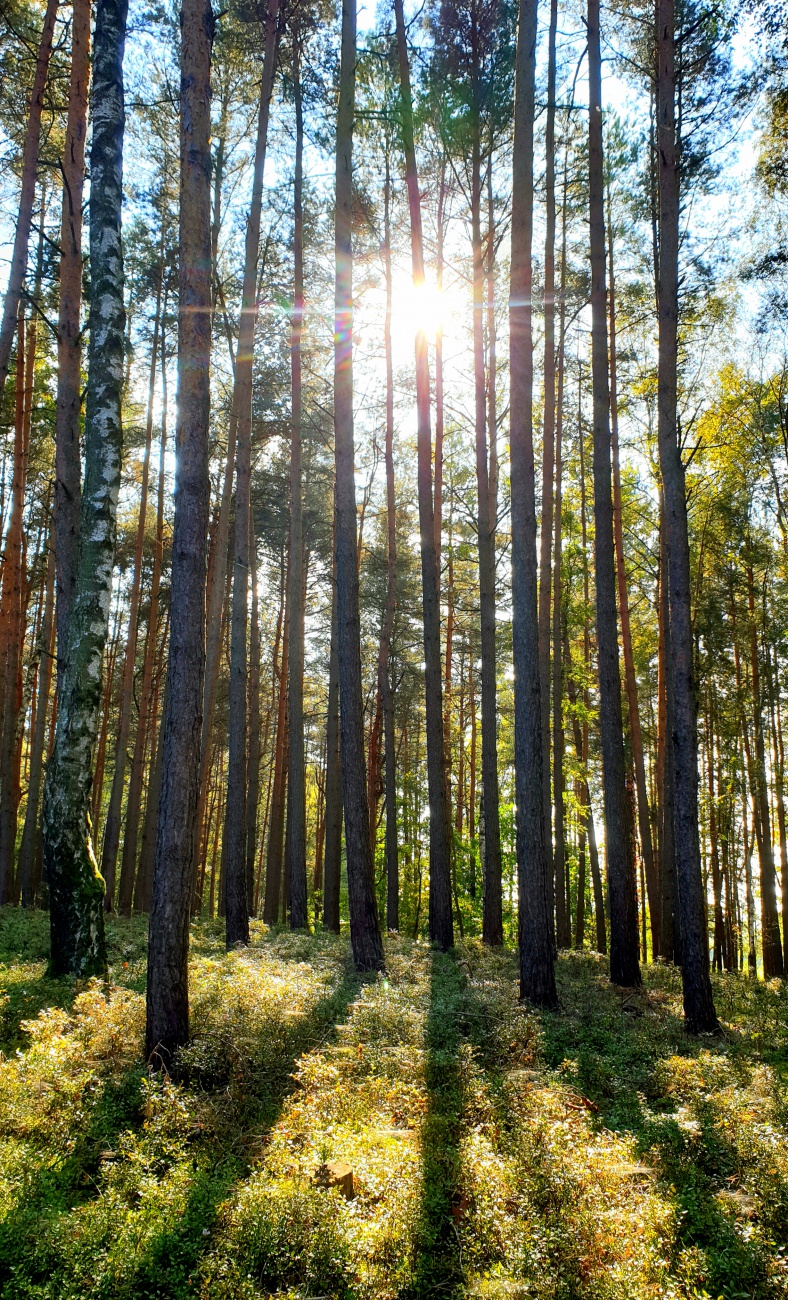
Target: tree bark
624,968
563,909
630,679
128,865
112,823
296,804
537,973
364,928
332,865
581,734
386,684
492,918
441,925
558,902
234,844
76,888
68,468
24,220
670,932
12,616
31,841
276,823
771,945
253,792
167,1024
699,1010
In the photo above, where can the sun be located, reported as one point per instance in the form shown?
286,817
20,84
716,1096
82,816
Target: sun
424,308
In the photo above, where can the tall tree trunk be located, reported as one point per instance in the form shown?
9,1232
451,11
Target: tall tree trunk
624,968
386,684
439,405
492,920
276,823
31,842
698,1001
716,872
364,927
779,775
128,865
537,973
143,883
548,464
167,1024
770,926
112,823
12,617
253,794
630,679
563,910
441,926
332,864
492,376
76,888
752,962
234,843
296,804
24,220
68,469
670,932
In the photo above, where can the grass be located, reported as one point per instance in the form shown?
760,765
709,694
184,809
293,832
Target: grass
594,1153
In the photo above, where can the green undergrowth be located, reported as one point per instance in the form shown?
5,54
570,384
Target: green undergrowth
496,1152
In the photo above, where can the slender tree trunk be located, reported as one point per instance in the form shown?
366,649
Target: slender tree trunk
128,865
752,961
580,911
234,842
438,488
364,928
112,823
630,679
716,872
76,888
492,921
670,933
441,926
492,377
537,973
167,1025
68,469
276,824
563,910
624,967
143,885
333,837
12,618
296,804
24,220
253,794
548,465
31,841
770,925
698,1001
386,684
779,771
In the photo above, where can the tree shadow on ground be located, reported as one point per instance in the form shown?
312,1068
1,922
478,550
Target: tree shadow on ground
618,1045
44,1237
438,1267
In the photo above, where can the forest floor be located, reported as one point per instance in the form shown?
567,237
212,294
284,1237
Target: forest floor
595,1152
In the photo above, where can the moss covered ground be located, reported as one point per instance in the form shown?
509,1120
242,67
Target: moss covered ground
592,1153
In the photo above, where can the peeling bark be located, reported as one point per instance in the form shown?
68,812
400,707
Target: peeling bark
76,887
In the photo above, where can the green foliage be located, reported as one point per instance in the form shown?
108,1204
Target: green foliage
593,1154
